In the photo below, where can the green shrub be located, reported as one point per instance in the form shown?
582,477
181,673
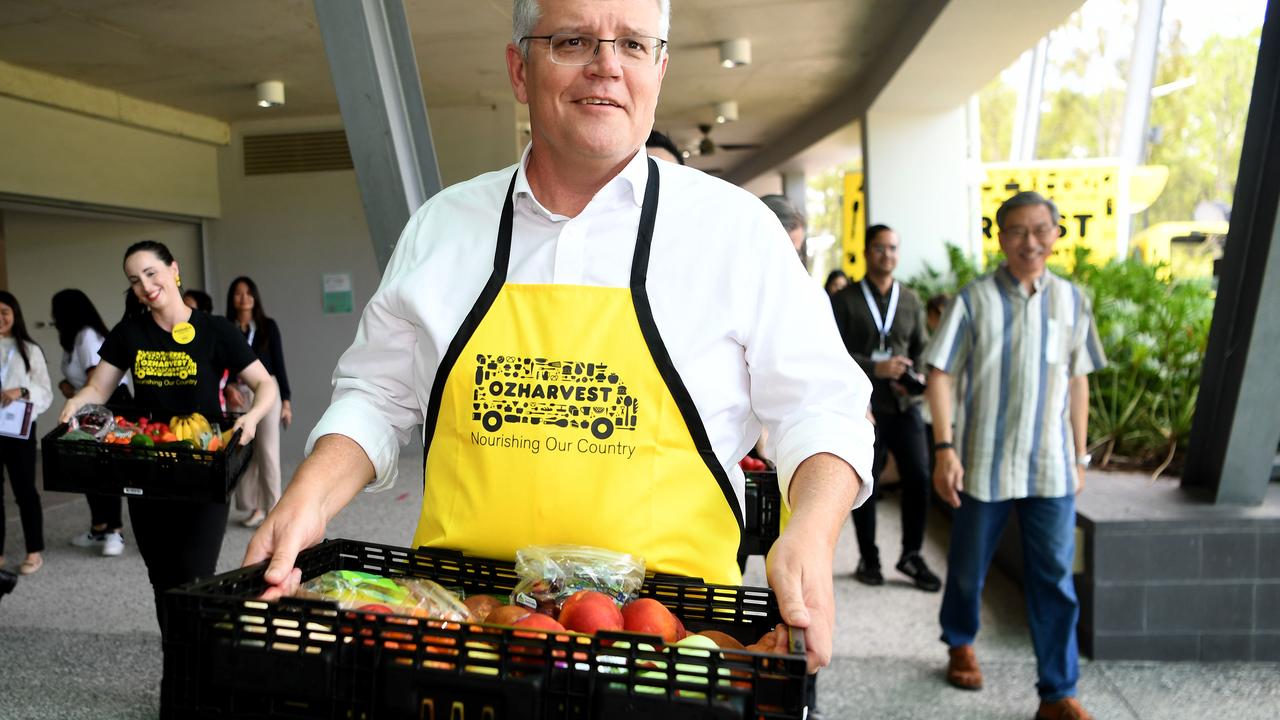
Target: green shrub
1154,332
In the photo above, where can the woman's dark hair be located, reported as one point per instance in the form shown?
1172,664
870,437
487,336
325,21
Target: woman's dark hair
660,140
159,249
132,305
259,314
20,334
833,276
938,303
203,301
73,312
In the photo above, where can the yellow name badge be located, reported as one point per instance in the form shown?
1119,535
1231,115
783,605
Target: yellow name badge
183,333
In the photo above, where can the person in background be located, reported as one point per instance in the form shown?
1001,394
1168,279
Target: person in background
836,281
793,221
882,325
663,148
80,333
1020,342
934,308
198,300
24,377
177,356
259,489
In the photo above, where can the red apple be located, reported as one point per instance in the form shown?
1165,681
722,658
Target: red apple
588,611
650,617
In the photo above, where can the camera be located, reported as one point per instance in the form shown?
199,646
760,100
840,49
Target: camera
912,382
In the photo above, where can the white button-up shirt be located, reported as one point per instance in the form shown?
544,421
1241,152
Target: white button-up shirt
749,332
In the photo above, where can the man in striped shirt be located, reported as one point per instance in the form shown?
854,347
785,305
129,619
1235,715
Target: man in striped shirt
1012,355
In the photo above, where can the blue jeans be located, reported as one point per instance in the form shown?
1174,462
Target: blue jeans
1048,546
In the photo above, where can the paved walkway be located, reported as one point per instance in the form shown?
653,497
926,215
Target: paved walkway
78,640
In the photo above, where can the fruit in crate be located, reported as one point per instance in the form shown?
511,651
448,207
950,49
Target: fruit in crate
589,611
193,428
481,606
538,621
650,617
507,614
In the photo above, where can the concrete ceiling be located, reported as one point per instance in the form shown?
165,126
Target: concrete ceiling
206,56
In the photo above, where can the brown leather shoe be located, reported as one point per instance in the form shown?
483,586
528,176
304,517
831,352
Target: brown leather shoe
963,671
1068,708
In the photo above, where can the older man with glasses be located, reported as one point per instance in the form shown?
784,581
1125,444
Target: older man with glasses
1020,343
591,341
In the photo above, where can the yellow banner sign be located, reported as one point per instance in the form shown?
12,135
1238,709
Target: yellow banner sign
853,229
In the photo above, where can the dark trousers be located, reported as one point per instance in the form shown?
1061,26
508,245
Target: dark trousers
179,542
902,434
1048,547
18,456
105,510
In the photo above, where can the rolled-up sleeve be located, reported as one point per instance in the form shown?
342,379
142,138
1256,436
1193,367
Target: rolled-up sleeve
805,389
374,400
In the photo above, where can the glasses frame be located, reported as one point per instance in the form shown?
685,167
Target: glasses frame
661,46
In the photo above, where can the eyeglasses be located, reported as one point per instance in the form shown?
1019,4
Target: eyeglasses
577,49
1042,232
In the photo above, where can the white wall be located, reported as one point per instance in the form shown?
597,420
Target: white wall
286,231
918,182
59,154
50,252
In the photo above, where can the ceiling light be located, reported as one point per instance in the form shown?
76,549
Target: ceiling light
270,93
735,53
726,111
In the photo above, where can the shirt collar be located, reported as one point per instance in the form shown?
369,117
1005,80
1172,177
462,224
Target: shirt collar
632,180
1012,285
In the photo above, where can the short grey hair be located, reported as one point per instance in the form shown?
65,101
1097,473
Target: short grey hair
788,215
1027,198
525,14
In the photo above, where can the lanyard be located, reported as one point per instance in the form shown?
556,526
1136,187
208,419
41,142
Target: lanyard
253,330
886,323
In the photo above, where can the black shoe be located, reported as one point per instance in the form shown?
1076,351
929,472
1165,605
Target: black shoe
914,567
868,573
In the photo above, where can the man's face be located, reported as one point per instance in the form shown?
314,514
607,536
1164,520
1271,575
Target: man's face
1027,238
596,112
882,253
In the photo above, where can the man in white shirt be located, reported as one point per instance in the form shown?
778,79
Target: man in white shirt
591,340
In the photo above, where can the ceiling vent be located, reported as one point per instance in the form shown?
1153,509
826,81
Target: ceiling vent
296,152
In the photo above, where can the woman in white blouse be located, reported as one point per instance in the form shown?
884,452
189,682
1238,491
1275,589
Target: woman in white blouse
24,377
80,333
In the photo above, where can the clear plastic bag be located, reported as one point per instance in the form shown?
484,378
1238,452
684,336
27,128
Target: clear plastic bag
97,420
549,574
354,590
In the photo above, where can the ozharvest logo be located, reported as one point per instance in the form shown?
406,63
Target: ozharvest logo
163,364
561,393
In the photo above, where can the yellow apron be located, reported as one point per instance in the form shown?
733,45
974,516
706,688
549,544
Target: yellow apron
557,417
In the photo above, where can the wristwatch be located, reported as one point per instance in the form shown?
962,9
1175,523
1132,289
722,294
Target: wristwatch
26,394
1084,460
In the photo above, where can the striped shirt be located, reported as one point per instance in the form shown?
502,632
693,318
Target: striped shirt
1011,354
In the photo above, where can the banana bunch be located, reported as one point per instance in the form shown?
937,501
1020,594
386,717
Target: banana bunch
193,428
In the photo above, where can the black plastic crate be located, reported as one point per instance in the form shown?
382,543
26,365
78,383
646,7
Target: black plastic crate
227,655
170,472
763,513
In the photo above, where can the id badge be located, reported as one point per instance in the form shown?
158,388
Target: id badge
880,355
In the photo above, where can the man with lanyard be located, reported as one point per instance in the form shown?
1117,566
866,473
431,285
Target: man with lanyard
883,329
591,340
1018,344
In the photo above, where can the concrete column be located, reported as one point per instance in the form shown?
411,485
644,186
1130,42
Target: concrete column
918,178
375,74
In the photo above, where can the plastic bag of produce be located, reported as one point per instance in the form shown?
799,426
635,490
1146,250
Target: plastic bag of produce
95,420
549,574
366,592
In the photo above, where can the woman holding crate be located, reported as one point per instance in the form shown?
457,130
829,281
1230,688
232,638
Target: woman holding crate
177,357
24,377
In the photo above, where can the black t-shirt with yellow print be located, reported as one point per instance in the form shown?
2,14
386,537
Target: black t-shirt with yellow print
172,378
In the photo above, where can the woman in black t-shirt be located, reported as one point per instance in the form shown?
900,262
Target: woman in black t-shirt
177,357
